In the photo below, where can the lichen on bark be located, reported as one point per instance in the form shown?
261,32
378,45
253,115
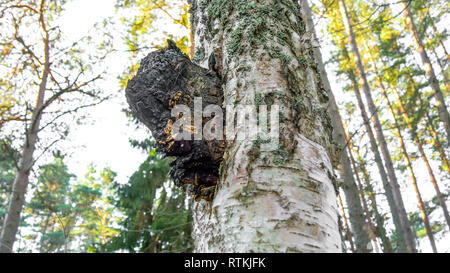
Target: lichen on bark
268,201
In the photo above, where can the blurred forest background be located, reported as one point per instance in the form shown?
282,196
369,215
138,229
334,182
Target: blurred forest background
53,82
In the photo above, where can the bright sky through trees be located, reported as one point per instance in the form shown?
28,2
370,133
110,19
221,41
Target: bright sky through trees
109,124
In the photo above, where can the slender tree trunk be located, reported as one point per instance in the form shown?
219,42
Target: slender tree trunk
361,191
433,49
387,246
429,125
440,101
341,230
12,219
347,227
423,156
262,204
373,145
43,232
362,194
436,32
412,175
441,66
407,158
434,136
345,170
405,225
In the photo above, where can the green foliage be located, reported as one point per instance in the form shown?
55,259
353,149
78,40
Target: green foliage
387,54
148,213
157,214
51,204
72,215
99,220
417,222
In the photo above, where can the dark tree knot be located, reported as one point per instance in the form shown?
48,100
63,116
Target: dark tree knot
167,78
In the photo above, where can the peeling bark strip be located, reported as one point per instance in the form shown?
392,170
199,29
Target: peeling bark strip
167,78
348,184
268,201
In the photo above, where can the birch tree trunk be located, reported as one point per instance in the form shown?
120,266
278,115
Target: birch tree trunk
347,227
440,101
409,239
279,201
346,174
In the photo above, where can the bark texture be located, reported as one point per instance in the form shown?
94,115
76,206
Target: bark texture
268,201
349,186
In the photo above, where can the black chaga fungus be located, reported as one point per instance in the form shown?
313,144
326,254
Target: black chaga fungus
167,78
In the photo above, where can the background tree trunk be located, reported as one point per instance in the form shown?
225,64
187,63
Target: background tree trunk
12,219
423,155
347,227
440,101
387,246
368,190
405,225
374,147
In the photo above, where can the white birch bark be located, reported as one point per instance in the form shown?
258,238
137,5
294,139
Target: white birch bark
352,196
261,204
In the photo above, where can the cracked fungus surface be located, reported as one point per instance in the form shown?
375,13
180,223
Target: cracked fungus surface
167,78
